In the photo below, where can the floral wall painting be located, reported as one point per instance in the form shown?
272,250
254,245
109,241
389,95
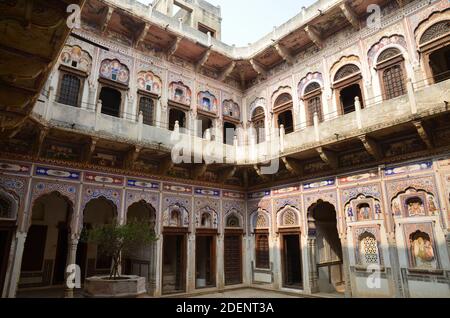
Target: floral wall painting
180,93
207,102
75,57
115,71
413,203
147,81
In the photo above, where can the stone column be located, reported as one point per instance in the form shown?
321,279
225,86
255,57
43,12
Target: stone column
71,259
313,276
220,271
396,280
190,263
20,244
346,266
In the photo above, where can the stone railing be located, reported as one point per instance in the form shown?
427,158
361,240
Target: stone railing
426,101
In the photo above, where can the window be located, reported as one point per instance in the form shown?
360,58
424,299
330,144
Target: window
229,131
368,249
313,102
233,221
111,101
289,218
285,119
204,29
347,84
262,251
176,115
69,90
391,71
146,106
258,121
283,112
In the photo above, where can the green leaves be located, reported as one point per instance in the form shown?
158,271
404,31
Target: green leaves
115,240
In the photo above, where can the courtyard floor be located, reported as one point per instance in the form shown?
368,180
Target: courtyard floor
255,293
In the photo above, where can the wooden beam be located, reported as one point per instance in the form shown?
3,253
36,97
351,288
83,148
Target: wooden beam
259,173
314,35
142,35
401,3
294,166
245,177
131,157
89,149
166,165
258,67
202,60
285,54
372,147
227,71
424,134
39,143
227,174
106,18
329,157
174,46
351,15
198,171
242,78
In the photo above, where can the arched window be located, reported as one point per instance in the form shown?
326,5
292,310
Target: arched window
175,115
233,221
313,102
261,221
435,50
368,249
69,90
258,120
289,218
348,86
283,112
391,70
147,107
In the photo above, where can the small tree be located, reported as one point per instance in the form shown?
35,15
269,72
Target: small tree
115,240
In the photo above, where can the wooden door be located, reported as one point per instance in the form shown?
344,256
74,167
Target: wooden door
233,259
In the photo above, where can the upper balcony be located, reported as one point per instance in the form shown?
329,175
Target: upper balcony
420,103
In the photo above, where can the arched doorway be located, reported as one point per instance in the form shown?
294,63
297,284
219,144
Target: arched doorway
142,262
46,246
175,230
97,212
326,255
8,217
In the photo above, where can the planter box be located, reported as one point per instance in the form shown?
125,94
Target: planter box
125,287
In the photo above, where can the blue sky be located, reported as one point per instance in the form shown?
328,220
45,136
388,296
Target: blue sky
245,21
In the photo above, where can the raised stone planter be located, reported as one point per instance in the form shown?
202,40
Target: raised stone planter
125,287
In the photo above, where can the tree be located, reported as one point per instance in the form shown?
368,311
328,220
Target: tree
115,240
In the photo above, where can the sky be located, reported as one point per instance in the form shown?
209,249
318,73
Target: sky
246,21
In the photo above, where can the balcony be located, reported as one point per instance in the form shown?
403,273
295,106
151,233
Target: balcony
421,101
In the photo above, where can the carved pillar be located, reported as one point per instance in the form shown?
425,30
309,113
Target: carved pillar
396,280
313,276
220,273
20,244
346,267
71,259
